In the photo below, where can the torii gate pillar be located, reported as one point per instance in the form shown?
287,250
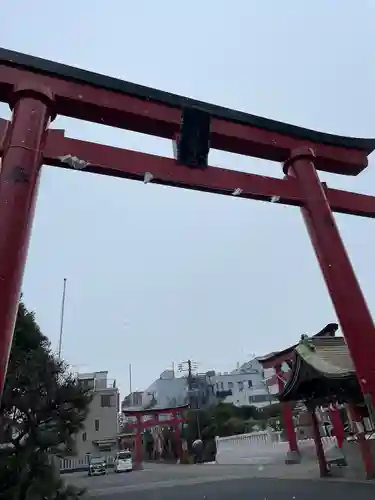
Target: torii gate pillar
293,455
19,179
347,297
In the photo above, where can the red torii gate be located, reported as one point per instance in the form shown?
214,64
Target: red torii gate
175,419
38,90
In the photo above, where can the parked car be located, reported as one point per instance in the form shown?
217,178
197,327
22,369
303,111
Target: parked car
123,461
97,466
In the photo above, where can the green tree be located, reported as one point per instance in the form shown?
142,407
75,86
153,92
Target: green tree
42,408
226,419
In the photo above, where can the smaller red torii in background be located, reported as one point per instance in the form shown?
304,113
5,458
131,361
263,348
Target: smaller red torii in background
174,419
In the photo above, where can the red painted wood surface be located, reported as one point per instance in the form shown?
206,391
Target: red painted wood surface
19,178
97,105
122,163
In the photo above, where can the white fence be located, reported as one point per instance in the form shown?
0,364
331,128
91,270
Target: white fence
76,464
264,447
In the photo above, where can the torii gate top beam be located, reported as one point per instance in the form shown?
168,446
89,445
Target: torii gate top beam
93,97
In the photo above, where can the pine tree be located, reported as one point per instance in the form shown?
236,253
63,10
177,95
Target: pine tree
42,408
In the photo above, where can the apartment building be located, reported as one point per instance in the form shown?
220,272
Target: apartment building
132,400
244,386
99,436
169,391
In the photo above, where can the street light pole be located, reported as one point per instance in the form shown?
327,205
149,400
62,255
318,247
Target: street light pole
62,318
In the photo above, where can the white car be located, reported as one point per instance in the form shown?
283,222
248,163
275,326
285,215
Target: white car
123,461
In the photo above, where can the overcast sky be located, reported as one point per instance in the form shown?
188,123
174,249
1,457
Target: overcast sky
157,275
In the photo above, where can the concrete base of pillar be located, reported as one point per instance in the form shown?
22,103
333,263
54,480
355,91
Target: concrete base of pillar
292,457
138,466
335,456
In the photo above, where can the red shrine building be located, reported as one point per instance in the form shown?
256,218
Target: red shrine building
281,363
321,377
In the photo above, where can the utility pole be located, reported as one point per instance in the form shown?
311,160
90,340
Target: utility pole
62,318
188,366
130,385
190,383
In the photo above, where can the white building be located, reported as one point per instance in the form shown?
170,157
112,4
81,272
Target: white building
271,378
244,386
167,391
99,435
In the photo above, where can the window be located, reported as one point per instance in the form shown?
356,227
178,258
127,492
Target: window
97,424
87,384
230,385
105,400
240,386
84,436
222,386
250,384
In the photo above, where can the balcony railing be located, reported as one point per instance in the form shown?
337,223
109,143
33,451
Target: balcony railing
98,384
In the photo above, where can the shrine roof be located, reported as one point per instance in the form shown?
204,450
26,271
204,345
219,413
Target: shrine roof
323,368
280,356
71,73
328,356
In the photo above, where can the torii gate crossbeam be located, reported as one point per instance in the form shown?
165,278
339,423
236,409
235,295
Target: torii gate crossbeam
127,164
38,90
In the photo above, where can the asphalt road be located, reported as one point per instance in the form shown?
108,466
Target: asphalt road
216,483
